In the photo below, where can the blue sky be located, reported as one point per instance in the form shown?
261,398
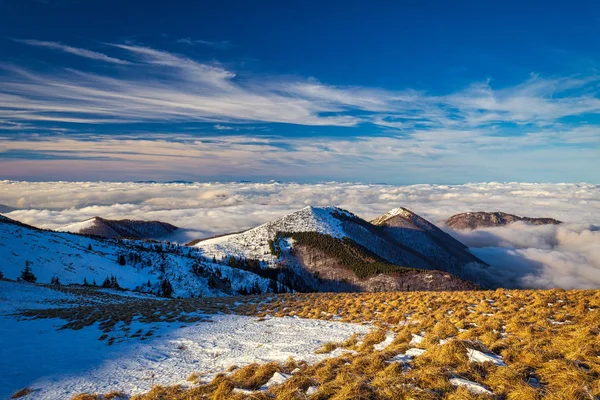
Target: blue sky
397,92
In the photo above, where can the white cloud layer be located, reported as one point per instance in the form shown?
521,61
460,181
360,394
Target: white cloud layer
566,256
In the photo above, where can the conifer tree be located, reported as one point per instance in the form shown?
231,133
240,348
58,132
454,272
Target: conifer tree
166,288
27,274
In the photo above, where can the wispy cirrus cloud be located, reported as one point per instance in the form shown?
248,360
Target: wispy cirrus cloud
193,92
155,85
535,101
93,55
543,128
219,44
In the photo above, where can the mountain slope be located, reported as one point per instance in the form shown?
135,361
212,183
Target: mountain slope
124,228
254,243
73,258
481,219
413,231
333,250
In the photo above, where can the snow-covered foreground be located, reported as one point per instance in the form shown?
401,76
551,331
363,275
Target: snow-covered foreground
16,296
61,363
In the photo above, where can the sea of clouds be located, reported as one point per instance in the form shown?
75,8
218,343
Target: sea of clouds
566,256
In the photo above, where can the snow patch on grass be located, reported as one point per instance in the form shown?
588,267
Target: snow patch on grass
481,357
473,387
389,338
59,364
277,379
416,339
406,357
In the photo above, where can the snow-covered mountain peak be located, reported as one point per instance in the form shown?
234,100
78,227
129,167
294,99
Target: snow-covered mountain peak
394,212
254,242
325,220
79,226
402,213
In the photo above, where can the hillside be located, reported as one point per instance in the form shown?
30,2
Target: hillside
136,265
334,250
481,219
124,228
415,232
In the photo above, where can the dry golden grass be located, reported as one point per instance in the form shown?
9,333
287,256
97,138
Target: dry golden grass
86,396
550,341
115,395
253,376
327,348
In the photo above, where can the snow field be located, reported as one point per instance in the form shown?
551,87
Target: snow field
61,363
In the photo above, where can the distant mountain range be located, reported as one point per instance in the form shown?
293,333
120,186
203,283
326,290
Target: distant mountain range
124,228
6,209
475,220
335,250
312,249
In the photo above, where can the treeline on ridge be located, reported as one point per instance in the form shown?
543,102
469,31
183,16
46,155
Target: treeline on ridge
360,260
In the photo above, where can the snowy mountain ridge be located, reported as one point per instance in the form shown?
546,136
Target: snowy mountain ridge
415,232
124,228
312,249
317,240
253,243
136,265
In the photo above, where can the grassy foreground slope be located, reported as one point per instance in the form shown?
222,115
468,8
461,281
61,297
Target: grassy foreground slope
506,344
